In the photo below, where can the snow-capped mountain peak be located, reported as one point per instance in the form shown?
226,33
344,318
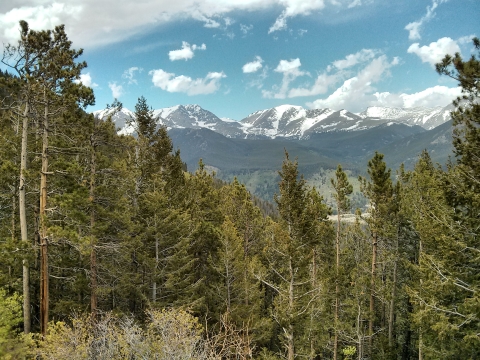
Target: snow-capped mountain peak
287,121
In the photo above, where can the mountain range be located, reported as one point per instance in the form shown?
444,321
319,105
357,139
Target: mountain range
286,121
252,149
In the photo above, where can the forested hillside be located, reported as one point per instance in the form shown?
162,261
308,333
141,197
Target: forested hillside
111,250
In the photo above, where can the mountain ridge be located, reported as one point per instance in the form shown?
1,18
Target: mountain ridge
285,121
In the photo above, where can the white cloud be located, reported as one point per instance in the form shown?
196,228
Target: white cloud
354,59
245,29
258,82
466,39
436,51
357,91
186,52
185,84
325,80
37,16
228,21
291,71
414,27
430,97
129,74
302,32
94,23
86,80
321,86
280,23
117,90
253,66
355,3
295,8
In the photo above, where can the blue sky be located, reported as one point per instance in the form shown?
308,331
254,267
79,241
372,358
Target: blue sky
235,57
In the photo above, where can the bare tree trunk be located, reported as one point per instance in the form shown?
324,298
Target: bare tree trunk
93,254
314,286
289,331
337,290
157,259
44,293
394,294
420,342
23,222
360,336
372,291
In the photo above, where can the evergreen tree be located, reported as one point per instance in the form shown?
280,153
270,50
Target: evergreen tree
192,279
342,189
291,251
242,242
379,192
48,68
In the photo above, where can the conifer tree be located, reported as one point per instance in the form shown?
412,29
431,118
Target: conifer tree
192,279
243,230
342,189
291,250
379,192
48,67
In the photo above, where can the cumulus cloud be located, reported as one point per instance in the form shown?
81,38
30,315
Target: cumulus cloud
186,52
117,90
185,84
358,90
323,82
414,27
354,59
37,16
339,70
430,97
291,71
253,66
86,80
434,52
129,74
94,23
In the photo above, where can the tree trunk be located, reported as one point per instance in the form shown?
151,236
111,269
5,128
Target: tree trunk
337,290
93,254
289,331
420,344
360,336
372,291
44,293
23,222
157,259
392,301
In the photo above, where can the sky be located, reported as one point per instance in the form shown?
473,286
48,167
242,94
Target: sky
234,57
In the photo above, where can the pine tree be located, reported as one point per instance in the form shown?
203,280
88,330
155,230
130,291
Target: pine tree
48,67
342,189
379,192
192,280
291,250
243,233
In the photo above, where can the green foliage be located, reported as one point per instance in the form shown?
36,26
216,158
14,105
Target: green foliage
129,232
12,345
342,189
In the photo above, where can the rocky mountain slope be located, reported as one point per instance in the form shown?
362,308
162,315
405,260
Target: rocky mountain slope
286,121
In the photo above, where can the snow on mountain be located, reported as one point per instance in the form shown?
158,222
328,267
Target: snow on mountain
287,121
428,118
